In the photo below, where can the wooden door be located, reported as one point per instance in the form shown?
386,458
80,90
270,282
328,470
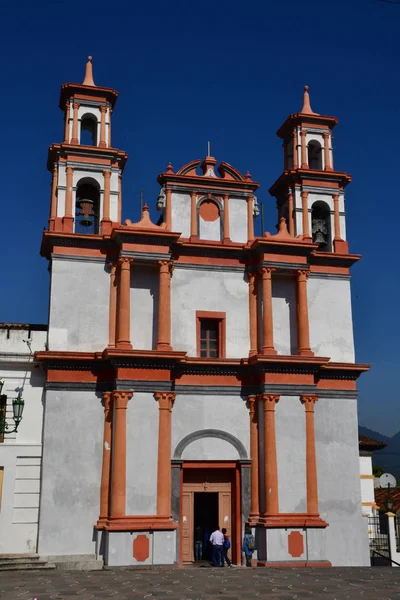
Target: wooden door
224,511
187,526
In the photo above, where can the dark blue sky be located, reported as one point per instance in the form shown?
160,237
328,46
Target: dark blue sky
229,72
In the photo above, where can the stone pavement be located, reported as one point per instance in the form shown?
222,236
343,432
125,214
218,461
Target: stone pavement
192,584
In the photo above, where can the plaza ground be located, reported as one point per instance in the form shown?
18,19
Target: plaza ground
193,584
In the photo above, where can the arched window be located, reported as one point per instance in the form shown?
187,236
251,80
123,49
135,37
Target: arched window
89,130
321,226
315,155
87,207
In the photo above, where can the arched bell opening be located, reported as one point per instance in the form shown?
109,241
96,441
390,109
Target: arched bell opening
315,155
88,130
87,207
321,226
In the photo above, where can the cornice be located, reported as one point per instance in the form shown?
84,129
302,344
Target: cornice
298,176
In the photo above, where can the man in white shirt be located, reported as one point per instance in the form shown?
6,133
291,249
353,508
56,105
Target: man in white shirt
217,541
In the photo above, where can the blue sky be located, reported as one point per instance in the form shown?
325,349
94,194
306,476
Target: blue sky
229,72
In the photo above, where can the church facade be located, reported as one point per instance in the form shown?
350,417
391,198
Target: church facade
193,374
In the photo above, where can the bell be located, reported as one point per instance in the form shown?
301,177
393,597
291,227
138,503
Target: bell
319,238
85,221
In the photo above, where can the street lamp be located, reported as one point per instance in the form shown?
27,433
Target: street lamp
18,408
389,500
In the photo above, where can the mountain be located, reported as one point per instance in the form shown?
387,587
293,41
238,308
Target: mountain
375,435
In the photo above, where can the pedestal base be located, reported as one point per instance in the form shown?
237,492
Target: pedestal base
292,547
138,548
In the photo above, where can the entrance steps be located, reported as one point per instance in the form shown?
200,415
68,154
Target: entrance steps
24,562
75,562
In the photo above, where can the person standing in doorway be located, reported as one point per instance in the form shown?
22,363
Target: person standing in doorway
225,548
248,545
217,541
198,543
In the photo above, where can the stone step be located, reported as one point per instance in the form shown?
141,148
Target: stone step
16,556
75,562
27,566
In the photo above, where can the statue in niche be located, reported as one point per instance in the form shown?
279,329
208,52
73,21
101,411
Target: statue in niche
320,232
161,199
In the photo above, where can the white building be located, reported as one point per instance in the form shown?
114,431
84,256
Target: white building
194,373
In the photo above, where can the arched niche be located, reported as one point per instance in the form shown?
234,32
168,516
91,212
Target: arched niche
87,206
210,219
321,226
202,441
88,130
314,155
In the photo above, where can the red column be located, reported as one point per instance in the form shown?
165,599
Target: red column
103,110
118,480
327,157
311,459
250,220
252,277
74,139
304,208
165,404
113,306
106,224
106,465
268,323
291,212
270,458
68,220
66,129
303,330
164,306
124,304
304,163
295,155
226,218
53,204
254,499
336,216
168,209
193,214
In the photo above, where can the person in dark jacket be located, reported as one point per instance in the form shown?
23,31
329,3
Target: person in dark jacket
248,545
225,548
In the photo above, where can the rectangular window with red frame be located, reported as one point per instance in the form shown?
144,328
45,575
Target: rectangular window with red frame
210,334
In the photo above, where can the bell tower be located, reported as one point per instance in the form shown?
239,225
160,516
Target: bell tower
86,169
310,193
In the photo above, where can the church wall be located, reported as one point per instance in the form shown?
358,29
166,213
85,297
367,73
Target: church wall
284,314
291,454
210,230
210,290
71,472
21,452
144,303
339,492
181,211
330,317
141,454
238,219
79,304
198,411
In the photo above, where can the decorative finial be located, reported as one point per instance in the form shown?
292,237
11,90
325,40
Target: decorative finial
170,168
89,73
248,176
307,110
145,208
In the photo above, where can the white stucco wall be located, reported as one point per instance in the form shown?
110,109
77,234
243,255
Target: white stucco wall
238,219
284,314
206,290
20,453
338,470
330,318
71,472
367,484
196,412
141,454
144,307
291,454
79,305
210,230
181,213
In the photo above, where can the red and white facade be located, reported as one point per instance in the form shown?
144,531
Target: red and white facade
189,356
